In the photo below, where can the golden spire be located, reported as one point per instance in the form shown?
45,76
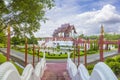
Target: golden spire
102,29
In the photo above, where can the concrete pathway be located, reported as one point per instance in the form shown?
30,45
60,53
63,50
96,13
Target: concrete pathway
19,55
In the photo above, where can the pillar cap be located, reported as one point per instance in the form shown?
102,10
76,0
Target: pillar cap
102,29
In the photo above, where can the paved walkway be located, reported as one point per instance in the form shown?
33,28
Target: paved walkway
56,71
19,55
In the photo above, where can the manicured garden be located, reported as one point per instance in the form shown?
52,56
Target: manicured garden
62,55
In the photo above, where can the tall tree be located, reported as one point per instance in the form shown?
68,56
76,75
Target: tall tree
24,15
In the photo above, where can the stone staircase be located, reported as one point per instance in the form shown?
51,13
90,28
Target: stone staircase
56,71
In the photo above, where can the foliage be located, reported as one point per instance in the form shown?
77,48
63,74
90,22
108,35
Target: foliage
54,56
108,60
115,66
91,52
106,36
112,36
15,40
2,58
117,58
90,68
2,36
24,16
93,37
32,40
2,45
20,70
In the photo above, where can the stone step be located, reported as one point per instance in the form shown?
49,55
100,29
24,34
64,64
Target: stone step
56,71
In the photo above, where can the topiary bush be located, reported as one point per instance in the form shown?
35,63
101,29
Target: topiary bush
117,58
108,60
91,52
115,66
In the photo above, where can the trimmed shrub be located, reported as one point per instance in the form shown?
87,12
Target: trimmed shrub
115,66
117,58
108,60
65,52
91,52
60,52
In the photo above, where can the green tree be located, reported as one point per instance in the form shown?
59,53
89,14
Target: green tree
15,40
112,36
2,36
32,40
24,16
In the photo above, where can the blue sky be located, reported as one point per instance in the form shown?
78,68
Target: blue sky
85,15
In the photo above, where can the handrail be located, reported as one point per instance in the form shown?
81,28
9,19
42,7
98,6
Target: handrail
100,72
9,72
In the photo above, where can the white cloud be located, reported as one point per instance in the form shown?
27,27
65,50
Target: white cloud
87,22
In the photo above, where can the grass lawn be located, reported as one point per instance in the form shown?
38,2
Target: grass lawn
2,45
3,59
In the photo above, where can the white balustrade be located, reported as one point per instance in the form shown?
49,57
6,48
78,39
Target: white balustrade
72,69
103,71
83,72
9,72
100,72
7,68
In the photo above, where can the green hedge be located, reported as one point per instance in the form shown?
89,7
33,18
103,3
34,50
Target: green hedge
117,58
54,56
114,64
108,60
91,52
